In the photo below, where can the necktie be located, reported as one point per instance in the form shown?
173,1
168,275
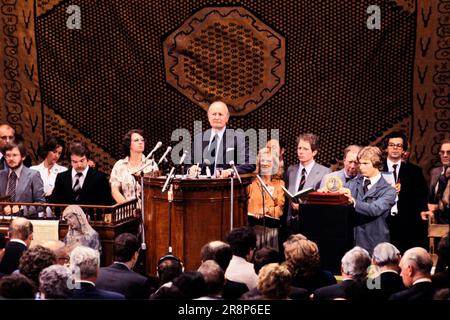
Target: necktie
2,163
77,185
213,147
12,186
302,180
366,185
394,166
347,179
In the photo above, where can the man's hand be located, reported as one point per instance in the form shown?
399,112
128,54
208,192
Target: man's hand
227,173
295,206
347,193
398,187
425,214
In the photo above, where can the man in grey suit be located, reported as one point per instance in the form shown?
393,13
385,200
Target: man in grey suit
439,178
351,166
307,174
20,183
372,198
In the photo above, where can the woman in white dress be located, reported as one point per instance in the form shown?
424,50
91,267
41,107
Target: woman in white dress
124,179
49,168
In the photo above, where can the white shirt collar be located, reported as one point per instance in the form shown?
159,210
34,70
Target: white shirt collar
391,163
19,241
84,172
18,171
307,167
373,180
219,133
421,280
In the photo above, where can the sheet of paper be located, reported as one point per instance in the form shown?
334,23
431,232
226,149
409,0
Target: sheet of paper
44,230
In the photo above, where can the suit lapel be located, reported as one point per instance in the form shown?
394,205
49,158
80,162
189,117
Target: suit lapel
380,184
4,182
24,178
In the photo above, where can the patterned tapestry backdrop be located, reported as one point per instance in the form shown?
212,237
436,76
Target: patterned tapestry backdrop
340,80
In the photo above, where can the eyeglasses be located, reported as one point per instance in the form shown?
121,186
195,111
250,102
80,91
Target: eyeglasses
442,152
393,145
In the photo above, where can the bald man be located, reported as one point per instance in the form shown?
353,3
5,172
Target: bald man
20,234
59,249
415,268
220,145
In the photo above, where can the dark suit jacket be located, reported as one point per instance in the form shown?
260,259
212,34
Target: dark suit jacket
11,257
95,191
90,292
233,146
30,188
419,291
371,209
334,291
233,290
118,278
389,283
407,229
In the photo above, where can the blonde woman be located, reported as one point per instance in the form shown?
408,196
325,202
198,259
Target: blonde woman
265,212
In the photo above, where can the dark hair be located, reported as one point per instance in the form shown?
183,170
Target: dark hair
169,267
50,145
396,134
264,256
125,246
191,284
126,140
17,286
14,144
311,138
220,253
34,260
78,149
241,240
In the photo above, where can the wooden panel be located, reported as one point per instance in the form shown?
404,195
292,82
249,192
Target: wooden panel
200,213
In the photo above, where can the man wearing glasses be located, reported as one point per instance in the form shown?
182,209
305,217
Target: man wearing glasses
438,204
406,227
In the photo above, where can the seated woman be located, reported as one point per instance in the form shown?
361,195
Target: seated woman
79,232
261,207
124,183
51,152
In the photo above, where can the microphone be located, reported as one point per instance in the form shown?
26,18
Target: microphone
168,179
208,171
264,186
236,173
182,158
164,155
158,145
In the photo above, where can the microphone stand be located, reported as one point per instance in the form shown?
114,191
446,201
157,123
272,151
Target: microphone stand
264,189
142,223
231,202
168,185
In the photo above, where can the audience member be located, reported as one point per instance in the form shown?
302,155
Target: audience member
274,282
120,277
60,250
214,280
441,277
303,260
84,264
34,260
243,242
20,235
54,283
17,286
415,268
354,267
385,258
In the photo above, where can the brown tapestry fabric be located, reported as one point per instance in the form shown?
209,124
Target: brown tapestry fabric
342,81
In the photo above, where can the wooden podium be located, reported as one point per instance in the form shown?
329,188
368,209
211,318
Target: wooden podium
200,213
